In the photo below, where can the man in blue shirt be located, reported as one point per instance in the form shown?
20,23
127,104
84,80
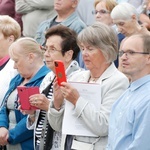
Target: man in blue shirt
130,117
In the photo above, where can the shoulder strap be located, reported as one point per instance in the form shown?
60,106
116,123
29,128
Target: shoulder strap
43,134
49,138
45,92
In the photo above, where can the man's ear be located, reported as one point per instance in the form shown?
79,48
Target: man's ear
75,3
148,59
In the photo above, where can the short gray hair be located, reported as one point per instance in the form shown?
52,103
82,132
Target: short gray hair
124,11
101,36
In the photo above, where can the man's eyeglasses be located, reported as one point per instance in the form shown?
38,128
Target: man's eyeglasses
101,12
131,53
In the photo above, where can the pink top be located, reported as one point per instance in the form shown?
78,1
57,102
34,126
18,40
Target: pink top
4,60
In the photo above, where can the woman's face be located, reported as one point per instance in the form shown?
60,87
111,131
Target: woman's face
102,14
92,57
126,27
53,51
23,63
4,43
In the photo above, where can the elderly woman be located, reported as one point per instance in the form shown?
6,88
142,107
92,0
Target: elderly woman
125,16
61,44
9,32
28,60
103,8
98,44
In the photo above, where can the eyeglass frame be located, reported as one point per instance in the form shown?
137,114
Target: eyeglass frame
131,53
102,11
50,50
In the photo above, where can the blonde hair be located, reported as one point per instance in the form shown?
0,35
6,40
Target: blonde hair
27,45
110,4
9,26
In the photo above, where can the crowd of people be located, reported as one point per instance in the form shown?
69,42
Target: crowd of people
104,46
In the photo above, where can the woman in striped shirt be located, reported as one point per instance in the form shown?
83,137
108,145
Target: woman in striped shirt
61,44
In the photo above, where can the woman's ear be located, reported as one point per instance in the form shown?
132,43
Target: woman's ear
134,17
68,55
11,38
31,57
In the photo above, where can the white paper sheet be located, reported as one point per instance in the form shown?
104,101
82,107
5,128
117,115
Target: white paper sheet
73,124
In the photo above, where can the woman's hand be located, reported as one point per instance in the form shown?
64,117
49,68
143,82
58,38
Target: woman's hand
58,96
71,94
4,134
40,101
26,112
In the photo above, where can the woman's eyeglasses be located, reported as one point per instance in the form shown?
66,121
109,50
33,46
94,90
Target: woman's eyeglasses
49,50
101,12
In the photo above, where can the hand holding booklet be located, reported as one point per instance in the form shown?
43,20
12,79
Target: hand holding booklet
91,93
24,93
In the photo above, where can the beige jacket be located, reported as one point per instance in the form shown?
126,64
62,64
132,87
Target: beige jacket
113,84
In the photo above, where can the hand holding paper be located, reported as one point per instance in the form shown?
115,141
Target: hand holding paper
70,93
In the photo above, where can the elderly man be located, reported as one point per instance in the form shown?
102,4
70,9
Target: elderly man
66,16
129,120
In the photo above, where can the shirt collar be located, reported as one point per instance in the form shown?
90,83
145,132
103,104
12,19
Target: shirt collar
68,21
136,84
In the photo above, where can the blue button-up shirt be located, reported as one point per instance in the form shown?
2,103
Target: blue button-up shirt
129,126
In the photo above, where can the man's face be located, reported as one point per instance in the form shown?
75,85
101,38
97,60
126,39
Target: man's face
63,5
133,64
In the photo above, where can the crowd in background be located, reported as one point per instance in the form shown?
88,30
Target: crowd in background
100,42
